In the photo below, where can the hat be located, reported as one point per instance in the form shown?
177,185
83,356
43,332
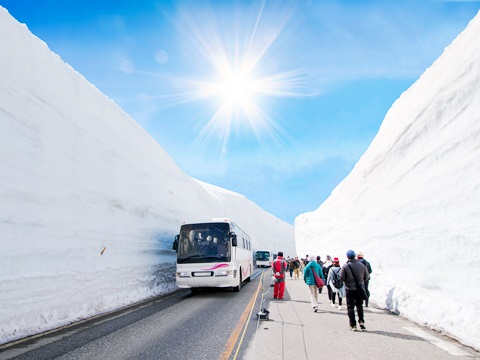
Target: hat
360,254
351,254
335,259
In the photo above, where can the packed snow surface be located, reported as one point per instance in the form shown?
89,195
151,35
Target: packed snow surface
412,202
89,202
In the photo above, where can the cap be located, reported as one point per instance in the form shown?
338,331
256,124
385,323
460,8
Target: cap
351,254
360,254
336,259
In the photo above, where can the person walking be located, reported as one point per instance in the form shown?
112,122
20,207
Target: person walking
325,268
291,267
306,260
302,264
296,268
309,279
333,276
351,273
369,268
279,267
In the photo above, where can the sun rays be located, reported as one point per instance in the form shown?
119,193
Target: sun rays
237,79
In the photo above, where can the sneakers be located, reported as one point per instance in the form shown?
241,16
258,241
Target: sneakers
354,328
339,307
333,304
315,309
362,326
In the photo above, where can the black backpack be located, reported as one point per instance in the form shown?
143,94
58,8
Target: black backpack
336,281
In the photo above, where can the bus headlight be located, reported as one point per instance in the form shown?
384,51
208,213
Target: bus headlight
183,274
223,272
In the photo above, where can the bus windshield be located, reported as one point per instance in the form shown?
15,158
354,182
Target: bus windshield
204,243
262,255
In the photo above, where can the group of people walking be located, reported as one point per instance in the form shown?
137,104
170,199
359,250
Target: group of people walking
349,281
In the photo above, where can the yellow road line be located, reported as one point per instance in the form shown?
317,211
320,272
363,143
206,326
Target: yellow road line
232,340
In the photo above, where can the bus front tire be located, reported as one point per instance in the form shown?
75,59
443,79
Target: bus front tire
239,286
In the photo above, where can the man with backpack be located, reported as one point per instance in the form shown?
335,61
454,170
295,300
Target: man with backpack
279,266
296,268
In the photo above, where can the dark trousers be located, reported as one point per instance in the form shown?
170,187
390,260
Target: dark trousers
334,295
354,301
330,293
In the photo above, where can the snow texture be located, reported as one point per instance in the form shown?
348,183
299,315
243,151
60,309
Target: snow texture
89,202
412,202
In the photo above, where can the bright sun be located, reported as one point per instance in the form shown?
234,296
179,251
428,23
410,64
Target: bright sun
236,89
238,83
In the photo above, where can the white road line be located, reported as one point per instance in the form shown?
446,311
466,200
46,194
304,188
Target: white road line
450,348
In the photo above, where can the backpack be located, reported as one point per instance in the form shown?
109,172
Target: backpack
367,264
336,281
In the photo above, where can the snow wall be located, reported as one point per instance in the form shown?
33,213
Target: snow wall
412,202
89,202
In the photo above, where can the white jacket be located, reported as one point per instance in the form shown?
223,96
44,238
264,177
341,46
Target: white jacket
341,292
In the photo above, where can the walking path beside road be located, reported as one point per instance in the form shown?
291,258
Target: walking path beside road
295,331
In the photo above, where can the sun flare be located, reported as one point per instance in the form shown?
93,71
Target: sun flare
237,83
236,89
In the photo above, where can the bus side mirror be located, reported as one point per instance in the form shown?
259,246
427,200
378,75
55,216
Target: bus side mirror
233,236
175,243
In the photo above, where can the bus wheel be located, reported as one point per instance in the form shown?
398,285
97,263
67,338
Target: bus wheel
250,277
239,286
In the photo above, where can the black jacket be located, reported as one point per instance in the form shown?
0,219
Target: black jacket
359,271
367,264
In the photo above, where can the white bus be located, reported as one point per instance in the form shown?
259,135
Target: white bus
263,258
213,254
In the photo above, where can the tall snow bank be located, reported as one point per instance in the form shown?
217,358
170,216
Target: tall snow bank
89,202
412,202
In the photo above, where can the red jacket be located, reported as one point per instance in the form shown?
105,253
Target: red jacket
279,265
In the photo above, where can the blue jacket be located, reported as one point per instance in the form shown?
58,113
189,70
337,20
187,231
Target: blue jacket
308,275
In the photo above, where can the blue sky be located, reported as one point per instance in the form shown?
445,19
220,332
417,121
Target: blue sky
276,100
